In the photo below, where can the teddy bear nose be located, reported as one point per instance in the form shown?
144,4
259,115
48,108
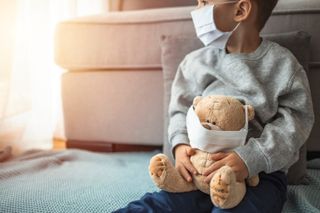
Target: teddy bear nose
210,126
206,125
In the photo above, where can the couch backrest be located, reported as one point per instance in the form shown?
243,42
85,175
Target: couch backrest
121,5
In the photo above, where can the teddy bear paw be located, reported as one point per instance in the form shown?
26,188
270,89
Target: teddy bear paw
220,186
158,165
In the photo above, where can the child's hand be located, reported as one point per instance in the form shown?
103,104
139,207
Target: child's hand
183,164
229,159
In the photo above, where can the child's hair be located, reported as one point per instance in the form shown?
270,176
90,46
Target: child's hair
265,8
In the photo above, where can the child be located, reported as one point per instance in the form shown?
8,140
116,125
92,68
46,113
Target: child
239,63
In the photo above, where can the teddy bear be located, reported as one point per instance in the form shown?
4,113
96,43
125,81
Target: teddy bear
213,113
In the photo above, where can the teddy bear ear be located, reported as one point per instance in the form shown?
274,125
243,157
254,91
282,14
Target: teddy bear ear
251,112
196,100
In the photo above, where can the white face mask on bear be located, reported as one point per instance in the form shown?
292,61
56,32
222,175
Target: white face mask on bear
214,140
206,29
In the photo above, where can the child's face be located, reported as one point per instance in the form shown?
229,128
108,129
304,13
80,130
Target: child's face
224,11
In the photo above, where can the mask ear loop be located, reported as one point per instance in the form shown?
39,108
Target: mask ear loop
236,27
246,115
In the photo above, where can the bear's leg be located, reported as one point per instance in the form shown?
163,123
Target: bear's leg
166,177
225,191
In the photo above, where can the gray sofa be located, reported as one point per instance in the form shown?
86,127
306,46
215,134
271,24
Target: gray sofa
113,86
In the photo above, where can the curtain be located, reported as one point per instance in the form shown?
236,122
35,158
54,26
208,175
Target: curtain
30,103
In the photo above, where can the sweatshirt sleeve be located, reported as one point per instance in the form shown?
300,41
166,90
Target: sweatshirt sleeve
281,139
184,89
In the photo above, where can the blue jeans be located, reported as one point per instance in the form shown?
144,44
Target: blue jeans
268,196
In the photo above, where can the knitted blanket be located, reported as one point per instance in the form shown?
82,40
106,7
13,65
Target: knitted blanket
81,181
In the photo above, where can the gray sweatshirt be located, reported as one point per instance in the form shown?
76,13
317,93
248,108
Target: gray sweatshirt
270,79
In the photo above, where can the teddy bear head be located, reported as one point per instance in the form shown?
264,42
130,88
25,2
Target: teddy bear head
221,112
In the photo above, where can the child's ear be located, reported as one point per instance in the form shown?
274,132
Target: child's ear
243,10
196,100
251,112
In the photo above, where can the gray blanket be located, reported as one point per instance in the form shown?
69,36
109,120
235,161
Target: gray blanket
80,181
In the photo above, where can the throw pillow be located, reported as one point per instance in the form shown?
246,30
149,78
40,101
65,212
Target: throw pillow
174,48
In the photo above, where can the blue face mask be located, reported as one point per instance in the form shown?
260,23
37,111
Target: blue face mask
206,29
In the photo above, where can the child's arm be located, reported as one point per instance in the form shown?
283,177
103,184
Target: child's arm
182,94
279,143
278,146
184,89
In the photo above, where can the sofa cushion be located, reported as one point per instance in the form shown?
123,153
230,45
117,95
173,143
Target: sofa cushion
174,49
